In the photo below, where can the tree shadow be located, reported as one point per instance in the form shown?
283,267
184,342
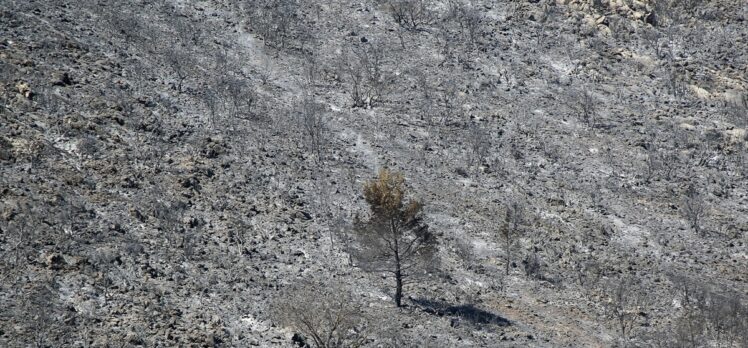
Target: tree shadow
467,312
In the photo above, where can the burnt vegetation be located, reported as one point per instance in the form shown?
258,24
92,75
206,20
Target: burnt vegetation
229,174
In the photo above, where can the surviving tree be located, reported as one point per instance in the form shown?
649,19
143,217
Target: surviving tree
394,240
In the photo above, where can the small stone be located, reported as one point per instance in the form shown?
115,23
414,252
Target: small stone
651,18
55,261
299,340
24,89
303,215
61,79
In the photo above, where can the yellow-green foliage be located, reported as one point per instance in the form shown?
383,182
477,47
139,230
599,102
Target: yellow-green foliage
385,193
385,196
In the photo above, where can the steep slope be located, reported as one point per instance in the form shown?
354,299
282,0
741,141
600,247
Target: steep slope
169,171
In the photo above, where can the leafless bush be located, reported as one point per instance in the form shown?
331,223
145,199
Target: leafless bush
480,144
677,8
670,161
511,230
660,162
449,99
693,207
467,17
363,67
726,317
587,108
124,100
212,97
519,9
624,303
676,83
274,21
691,323
741,155
47,99
411,14
619,28
598,5
40,305
189,32
446,42
265,73
584,104
652,38
737,110
189,242
533,266
227,94
588,271
427,97
664,13
653,162
169,216
326,316
652,165
465,251
88,146
310,112
313,125
6,75
19,235
242,98
180,64
123,22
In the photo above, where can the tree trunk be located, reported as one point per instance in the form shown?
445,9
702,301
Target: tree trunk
398,269
508,255
398,287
